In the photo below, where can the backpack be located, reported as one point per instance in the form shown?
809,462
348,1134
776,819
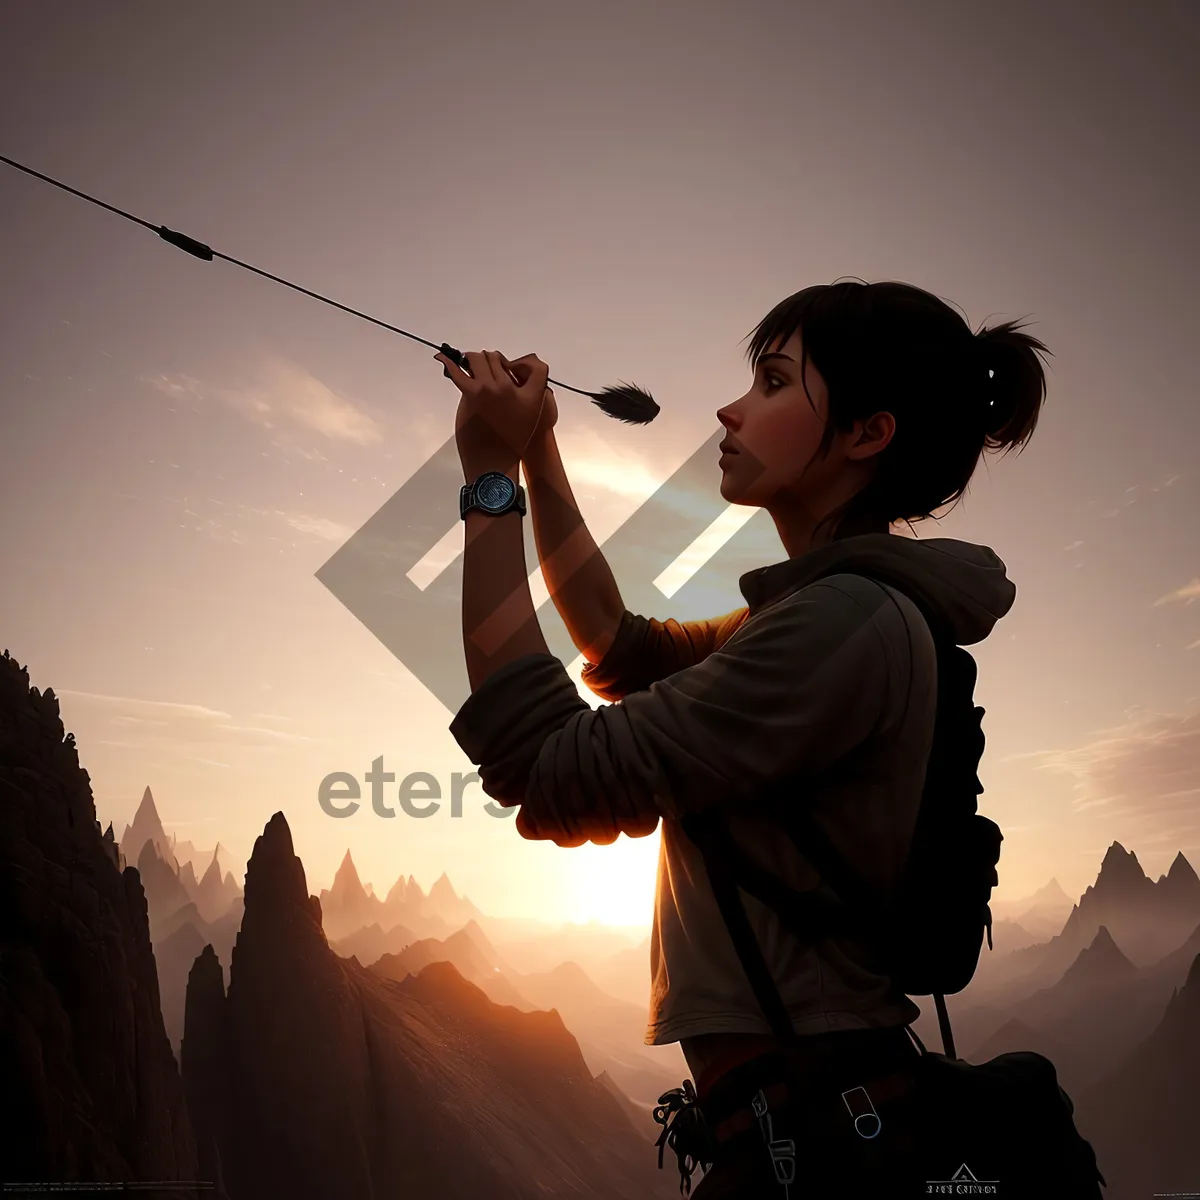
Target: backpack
1008,1116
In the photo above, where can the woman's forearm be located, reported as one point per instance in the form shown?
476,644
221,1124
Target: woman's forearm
577,575
499,621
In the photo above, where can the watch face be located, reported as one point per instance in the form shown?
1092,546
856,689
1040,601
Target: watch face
493,492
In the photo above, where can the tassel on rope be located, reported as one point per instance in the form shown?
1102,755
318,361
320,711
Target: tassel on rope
626,402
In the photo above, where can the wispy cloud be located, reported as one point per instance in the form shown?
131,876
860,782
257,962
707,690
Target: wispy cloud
292,394
1143,774
305,452
178,387
190,731
284,398
1187,593
275,735
242,523
1132,493
319,527
195,710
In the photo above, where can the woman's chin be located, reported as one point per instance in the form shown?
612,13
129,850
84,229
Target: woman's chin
730,491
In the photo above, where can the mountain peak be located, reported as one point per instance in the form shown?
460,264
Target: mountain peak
346,882
1181,880
1100,963
146,826
147,810
1120,870
1179,889
1050,896
473,931
1181,867
1117,853
1041,915
1193,979
443,888
274,874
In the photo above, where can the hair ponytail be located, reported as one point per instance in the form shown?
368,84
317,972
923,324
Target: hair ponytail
1015,382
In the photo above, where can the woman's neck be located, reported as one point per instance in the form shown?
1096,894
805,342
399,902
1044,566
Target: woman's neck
799,535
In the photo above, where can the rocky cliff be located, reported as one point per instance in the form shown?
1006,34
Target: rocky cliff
82,1047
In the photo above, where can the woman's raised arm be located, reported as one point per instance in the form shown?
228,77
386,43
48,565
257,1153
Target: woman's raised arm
578,576
587,597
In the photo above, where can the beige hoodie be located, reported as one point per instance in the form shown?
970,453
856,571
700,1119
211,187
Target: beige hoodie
833,679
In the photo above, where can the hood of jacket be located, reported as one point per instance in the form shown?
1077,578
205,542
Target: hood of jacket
966,586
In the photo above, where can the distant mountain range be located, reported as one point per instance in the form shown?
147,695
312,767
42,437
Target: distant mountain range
213,892
1091,991
348,906
1147,919
1143,1116
1042,915
426,1049
609,1030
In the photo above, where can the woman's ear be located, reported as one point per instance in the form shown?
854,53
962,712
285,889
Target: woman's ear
874,435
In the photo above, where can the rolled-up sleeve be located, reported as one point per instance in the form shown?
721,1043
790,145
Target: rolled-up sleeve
796,688
646,650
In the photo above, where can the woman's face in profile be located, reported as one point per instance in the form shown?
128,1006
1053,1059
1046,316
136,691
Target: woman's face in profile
774,431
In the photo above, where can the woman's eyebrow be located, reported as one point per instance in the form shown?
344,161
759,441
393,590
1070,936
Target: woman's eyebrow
764,358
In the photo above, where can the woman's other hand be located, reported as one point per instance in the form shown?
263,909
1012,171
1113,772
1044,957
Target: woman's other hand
496,417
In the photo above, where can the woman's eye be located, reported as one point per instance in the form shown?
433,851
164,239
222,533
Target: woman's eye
771,384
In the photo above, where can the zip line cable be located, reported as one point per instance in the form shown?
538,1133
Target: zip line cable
625,402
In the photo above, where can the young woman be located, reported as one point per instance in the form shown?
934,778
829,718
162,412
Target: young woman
870,406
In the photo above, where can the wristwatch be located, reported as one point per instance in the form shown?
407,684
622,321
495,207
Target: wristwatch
493,493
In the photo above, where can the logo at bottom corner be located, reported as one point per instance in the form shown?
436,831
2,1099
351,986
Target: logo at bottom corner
962,1183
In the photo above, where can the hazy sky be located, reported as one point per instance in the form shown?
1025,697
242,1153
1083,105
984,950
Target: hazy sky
624,189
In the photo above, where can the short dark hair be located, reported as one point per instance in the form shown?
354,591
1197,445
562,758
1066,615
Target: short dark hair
892,347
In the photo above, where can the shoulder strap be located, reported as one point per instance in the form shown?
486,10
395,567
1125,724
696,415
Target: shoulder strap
807,914
705,829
